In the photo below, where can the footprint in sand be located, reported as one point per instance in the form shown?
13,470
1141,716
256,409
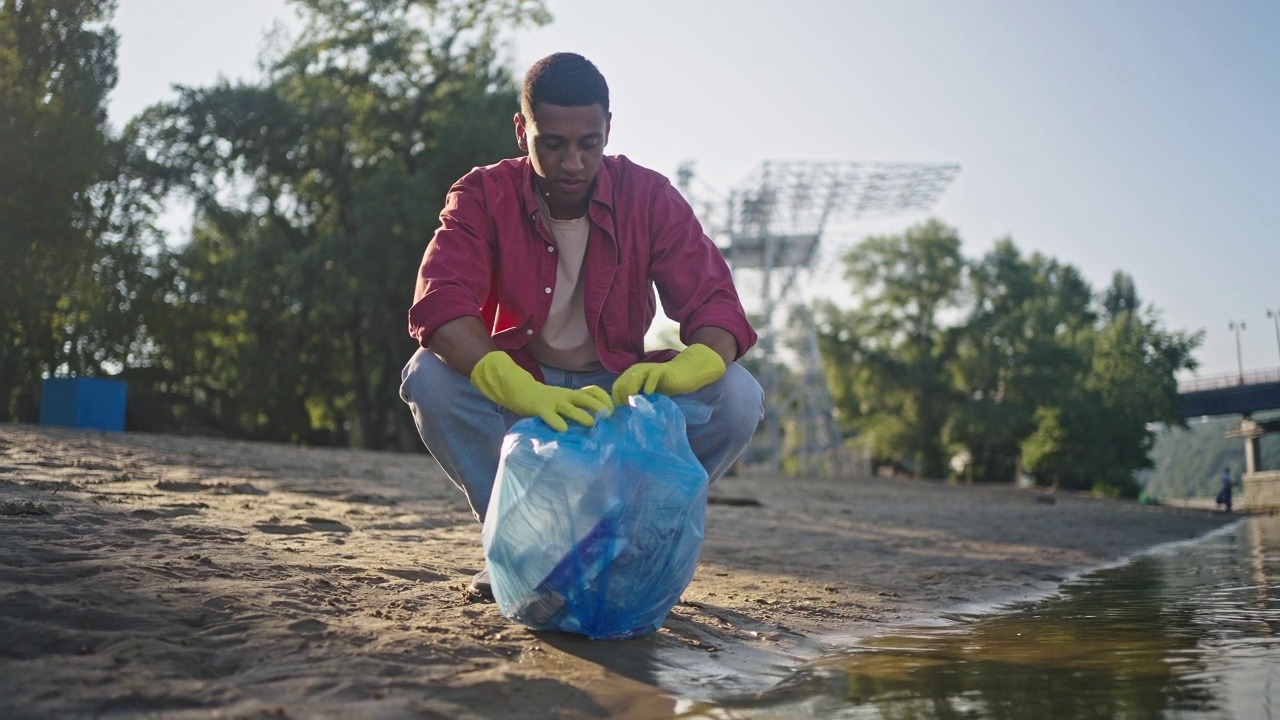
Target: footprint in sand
309,525
23,507
415,575
179,486
216,488
170,511
308,626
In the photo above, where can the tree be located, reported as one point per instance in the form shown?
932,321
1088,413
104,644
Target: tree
1133,372
57,65
316,191
1121,296
1015,352
1100,434
894,349
1037,370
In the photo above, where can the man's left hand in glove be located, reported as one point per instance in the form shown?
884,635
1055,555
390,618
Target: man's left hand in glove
694,368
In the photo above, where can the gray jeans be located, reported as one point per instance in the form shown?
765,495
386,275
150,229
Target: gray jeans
463,429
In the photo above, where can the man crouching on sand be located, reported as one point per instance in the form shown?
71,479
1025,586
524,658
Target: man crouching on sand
534,295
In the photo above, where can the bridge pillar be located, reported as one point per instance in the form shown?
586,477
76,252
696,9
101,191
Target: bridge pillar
1261,487
1252,454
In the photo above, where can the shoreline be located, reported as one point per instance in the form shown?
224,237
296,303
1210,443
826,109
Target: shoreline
191,576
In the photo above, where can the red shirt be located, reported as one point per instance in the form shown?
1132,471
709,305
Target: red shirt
492,258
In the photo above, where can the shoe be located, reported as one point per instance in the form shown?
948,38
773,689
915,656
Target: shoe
481,586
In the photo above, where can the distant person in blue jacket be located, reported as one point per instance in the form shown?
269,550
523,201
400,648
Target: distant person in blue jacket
1224,495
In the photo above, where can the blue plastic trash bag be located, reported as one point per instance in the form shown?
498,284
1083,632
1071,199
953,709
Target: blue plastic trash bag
597,530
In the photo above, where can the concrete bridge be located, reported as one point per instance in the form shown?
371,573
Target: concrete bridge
1243,394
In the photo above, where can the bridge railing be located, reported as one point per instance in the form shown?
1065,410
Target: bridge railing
1226,380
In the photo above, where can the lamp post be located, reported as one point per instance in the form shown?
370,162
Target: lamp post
1275,316
1238,326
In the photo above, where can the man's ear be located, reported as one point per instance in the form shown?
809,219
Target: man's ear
521,140
608,122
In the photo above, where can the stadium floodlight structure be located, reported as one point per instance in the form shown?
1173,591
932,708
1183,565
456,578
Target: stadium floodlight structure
771,233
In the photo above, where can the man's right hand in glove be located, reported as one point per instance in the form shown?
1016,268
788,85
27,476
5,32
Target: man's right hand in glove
511,386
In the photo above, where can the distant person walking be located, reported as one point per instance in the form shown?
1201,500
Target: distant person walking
1224,495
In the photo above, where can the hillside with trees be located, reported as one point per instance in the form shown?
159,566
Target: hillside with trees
1188,461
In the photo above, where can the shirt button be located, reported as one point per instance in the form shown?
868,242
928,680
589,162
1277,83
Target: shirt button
551,248
547,291
528,332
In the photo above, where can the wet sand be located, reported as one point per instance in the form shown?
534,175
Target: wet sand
175,577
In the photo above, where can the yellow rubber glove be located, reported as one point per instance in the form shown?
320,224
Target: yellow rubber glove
696,366
511,386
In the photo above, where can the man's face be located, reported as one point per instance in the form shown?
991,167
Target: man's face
565,145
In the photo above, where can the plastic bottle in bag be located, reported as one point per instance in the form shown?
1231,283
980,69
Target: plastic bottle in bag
597,530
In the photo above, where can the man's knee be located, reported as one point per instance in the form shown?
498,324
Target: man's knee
740,401
426,378
743,396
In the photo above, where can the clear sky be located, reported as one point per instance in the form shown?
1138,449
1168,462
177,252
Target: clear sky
1141,135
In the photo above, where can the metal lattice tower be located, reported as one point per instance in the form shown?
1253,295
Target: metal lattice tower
771,232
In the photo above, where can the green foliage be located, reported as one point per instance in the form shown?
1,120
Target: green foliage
1048,451
1133,377
1101,434
64,286
1019,342
1038,375
1121,296
316,191
890,358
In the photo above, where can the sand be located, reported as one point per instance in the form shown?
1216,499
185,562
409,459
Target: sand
163,576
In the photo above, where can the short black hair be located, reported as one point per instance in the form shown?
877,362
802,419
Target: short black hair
565,79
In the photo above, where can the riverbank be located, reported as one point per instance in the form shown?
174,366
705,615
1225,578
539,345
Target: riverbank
194,577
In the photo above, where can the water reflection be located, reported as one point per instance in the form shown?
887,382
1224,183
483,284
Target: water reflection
1190,632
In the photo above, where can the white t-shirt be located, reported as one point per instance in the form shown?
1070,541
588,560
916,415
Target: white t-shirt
564,341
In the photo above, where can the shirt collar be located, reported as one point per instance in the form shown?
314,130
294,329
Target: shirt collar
601,189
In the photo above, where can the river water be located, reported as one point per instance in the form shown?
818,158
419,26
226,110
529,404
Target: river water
1190,630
